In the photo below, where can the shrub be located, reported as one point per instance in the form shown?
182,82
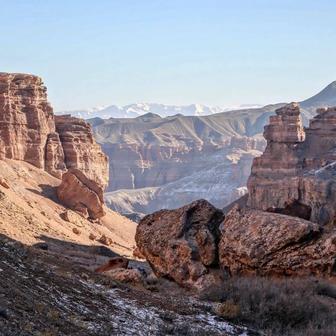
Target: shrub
278,307
228,310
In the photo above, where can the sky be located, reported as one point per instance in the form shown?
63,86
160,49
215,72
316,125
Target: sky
214,52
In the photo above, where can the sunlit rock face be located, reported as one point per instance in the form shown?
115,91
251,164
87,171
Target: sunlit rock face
81,150
29,132
296,175
27,126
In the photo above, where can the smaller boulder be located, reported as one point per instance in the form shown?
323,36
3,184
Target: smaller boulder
117,262
76,231
81,194
4,183
105,240
130,276
72,217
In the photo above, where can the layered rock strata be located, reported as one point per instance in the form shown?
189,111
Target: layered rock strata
296,175
27,126
28,131
81,150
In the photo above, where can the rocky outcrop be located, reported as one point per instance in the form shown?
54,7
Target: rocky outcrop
27,127
28,131
81,150
259,243
296,175
182,244
54,155
81,194
4,183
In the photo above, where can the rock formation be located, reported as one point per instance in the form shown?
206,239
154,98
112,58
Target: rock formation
254,242
81,194
81,150
28,132
27,127
182,244
296,175
185,245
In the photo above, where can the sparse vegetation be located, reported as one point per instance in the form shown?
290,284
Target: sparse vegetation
278,307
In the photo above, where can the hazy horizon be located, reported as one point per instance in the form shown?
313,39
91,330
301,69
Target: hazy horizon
216,53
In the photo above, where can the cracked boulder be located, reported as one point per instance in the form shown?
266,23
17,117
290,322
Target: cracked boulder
182,244
254,242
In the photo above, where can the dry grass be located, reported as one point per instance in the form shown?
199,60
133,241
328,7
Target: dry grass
278,307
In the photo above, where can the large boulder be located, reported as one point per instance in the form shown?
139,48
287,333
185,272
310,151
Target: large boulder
254,242
81,194
182,244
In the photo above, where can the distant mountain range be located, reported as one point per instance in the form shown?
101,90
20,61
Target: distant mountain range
327,97
136,110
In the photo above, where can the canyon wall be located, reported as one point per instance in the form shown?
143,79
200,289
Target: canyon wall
29,132
296,175
151,151
27,126
160,163
81,150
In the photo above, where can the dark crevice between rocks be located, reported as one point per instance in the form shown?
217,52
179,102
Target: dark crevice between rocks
294,209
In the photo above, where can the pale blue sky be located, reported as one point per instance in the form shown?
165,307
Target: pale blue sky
174,51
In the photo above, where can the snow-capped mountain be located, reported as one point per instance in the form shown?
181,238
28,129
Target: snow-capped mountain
136,110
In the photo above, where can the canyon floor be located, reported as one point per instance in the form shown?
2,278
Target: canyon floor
47,286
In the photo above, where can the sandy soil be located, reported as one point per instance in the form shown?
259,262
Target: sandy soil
30,213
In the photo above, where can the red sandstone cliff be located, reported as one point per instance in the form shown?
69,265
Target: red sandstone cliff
28,132
81,150
296,174
27,126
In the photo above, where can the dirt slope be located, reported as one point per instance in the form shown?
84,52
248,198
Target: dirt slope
30,213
